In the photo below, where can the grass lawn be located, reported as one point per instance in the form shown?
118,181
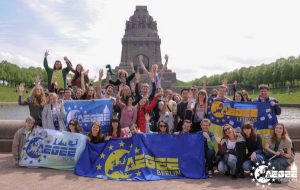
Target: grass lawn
8,94
282,95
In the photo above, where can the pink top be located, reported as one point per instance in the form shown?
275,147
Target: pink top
128,114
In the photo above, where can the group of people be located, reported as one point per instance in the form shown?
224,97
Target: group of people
148,108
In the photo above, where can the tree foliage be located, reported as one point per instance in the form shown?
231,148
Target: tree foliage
277,74
14,75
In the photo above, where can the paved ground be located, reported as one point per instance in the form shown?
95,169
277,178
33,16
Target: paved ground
12,178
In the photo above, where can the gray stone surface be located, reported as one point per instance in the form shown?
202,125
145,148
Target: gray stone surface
12,178
141,38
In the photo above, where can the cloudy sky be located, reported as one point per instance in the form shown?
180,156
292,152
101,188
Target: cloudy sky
201,37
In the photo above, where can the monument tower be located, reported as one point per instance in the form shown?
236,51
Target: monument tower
141,38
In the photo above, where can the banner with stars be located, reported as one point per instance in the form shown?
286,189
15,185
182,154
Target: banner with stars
144,157
260,114
89,111
52,149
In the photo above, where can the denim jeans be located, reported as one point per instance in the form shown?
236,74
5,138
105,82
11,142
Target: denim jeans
230,164
209,158
248,164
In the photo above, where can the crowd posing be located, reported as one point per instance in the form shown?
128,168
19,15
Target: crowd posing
148,108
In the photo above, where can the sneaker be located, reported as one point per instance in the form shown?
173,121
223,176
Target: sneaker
210,173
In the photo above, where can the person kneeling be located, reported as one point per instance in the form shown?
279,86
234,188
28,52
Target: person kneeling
231,148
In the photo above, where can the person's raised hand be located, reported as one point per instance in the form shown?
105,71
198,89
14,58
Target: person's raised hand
101,73
138,77
141,57
166,57
21,89
46,53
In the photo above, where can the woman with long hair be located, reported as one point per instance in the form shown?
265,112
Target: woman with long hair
128,111
279,148
253,145
114,130
78,71
163,127
95,135
231,148
36,102
199,110
74,126
56,76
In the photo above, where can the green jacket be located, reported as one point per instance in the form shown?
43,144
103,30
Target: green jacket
49,71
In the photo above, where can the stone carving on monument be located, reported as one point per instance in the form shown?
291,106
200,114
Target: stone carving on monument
141,38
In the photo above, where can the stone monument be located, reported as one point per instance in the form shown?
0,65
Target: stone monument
141,38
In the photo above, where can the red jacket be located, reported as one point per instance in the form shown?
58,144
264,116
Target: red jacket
141,121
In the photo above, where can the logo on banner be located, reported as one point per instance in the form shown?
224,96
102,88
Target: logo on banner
121,164
264,174
43,145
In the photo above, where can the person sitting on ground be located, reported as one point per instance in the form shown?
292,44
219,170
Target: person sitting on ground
74,126
133,130
264,97
56,76
20,138
54,114
36,102
232,149
115,130
253,145
279,148
209,146
95,135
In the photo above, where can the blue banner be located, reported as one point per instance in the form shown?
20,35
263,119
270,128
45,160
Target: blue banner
53,149
260,114
145,157
89,111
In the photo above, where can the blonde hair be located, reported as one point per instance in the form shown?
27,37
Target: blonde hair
29,118
37,100
122,71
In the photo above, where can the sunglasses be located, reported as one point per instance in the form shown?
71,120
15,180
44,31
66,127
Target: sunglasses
162,126
214,95
72,124
227,129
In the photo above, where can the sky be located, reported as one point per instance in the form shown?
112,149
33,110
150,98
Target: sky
201,37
